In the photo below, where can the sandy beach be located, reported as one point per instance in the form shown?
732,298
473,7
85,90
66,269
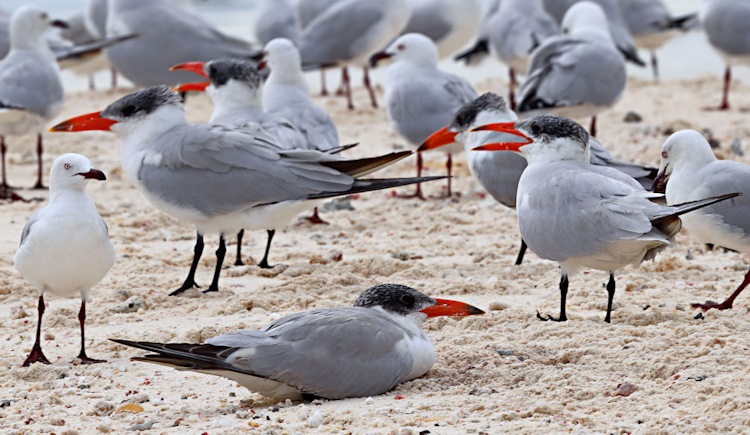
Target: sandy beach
657,368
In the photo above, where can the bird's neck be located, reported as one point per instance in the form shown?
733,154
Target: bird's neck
68,194
35,43
562,149
234,96
288,75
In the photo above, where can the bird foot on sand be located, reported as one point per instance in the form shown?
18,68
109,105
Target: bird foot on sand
187,285
550,318
86,360
9,194
708,305
36,356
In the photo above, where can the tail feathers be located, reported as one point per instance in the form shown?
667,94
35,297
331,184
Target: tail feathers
361,167
368,185
684,23
478,51
670,224
687,207
341,148
187,355
93,47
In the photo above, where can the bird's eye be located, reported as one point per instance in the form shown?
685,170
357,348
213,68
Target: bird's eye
535,129
407,300
66,166
664,154
43,15
128,110
400,47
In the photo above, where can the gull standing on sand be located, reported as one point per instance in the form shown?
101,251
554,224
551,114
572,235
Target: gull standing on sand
727,25
221,178
65,247
577,74
349,32
332,353
31,92
499,173
651,25
583,215
307,10
451,24
419,97
168,34
690,171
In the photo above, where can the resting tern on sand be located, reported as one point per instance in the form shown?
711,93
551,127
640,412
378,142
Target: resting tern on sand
168,34
348,32
235,87
690,171
419,97
31,92
451,24
727,25
583,215
332,353
221,178
499,173
577,74
65,247
652,25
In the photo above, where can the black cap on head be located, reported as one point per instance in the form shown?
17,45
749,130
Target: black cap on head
222,70
142,103
465,116
546,128
394,298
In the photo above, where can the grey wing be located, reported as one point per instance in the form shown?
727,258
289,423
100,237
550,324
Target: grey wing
30,81
331,353
217,170
279,21
332,36
645,175
429,21
518,34
594,208
4,34
27,228
314,123
566,71
499,173
426,103
725,177
726,24
644,17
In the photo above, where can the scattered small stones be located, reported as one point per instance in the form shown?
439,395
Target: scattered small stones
505,352
295,271
123,295
102,409
143,426
315,420
737,147
698,378
338,204
625,389
689,255
130,407
133,304
633,117
274,271
481,391
497,306
699,316
331,257
6,403
401,255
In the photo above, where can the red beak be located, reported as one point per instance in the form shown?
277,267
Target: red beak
447,307
195,67
94,174
192,87
89,121
503,127
438,139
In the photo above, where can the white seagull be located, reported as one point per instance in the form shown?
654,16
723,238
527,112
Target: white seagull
65,247
451,24
331,353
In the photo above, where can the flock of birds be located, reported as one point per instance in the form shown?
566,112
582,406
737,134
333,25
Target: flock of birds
269,153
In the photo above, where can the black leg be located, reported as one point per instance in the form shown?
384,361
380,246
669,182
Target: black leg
82,356
592,129
727,304
512,89
214,287
449,169
36,354
3,150
563,299
347,87
40,170
655,65
521,253
238,261
264,262
190,280
610,296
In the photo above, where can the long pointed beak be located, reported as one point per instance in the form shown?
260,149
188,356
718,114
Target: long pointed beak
502,127
438,139
94,174
377,57
447,307
89,121
192,87
194,67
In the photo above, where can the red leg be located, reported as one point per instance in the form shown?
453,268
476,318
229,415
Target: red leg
82,356
323,90
592,129
418,192
315,218
341,91
373,100
347,87
36,354
512,89
727,304
727,82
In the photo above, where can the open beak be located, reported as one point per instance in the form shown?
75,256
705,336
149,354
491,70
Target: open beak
93,174
194,67
192,87
660,182
438,139
447,307
89,121
502,127
59,23
377,57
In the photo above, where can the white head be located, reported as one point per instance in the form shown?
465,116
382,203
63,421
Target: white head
413,48
72,172
235,83
682,148
586,18
28,25
283,59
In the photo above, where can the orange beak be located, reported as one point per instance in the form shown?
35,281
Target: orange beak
502,127
447,307
438,139
89,121
192,87
195,67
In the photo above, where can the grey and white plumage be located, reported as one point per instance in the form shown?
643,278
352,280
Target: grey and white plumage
479,50
276,19
65,247
307,10
691,171
168,34
333,353
451,24
577,74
